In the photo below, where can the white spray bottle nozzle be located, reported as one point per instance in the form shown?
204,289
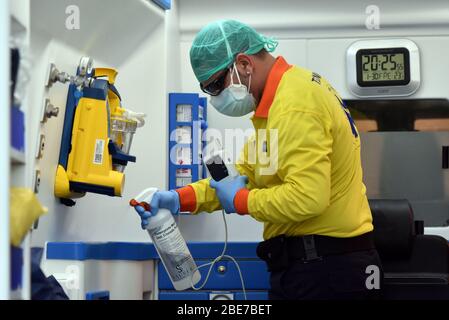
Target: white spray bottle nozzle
143,198
146,195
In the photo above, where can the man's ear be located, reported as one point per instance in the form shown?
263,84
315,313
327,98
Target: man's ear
245,64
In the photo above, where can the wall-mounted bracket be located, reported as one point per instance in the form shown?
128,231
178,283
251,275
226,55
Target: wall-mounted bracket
48,110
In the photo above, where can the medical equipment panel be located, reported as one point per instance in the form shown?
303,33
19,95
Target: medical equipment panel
224,282
187,123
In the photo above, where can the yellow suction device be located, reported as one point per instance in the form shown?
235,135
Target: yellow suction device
97,134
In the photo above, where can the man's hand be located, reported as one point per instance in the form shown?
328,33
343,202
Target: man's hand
161,199
227,189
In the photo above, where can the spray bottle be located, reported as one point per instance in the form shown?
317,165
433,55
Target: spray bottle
169,244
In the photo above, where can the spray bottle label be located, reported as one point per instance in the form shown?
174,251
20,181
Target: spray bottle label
173,250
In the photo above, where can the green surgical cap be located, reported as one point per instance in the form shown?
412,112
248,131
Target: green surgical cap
216,45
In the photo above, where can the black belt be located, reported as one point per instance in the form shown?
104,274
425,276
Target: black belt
279,251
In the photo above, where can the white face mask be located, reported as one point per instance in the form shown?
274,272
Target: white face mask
235,100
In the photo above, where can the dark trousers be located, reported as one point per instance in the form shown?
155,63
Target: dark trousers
334,277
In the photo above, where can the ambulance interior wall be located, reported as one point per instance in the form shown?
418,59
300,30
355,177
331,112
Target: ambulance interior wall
151,55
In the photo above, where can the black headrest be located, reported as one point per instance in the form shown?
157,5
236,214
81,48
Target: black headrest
394,227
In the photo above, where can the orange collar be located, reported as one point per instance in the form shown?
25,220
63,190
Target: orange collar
274,77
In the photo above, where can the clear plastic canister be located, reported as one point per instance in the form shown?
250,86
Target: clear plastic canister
122,133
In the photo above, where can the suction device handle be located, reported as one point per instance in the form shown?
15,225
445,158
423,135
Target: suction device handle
106,72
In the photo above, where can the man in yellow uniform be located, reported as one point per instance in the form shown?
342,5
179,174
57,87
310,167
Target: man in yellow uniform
310,195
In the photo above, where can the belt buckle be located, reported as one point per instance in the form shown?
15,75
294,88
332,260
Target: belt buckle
310,249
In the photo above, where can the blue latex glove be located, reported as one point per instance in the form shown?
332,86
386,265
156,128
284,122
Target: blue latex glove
226,190
161,199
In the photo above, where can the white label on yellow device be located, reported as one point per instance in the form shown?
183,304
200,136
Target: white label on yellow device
98,155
